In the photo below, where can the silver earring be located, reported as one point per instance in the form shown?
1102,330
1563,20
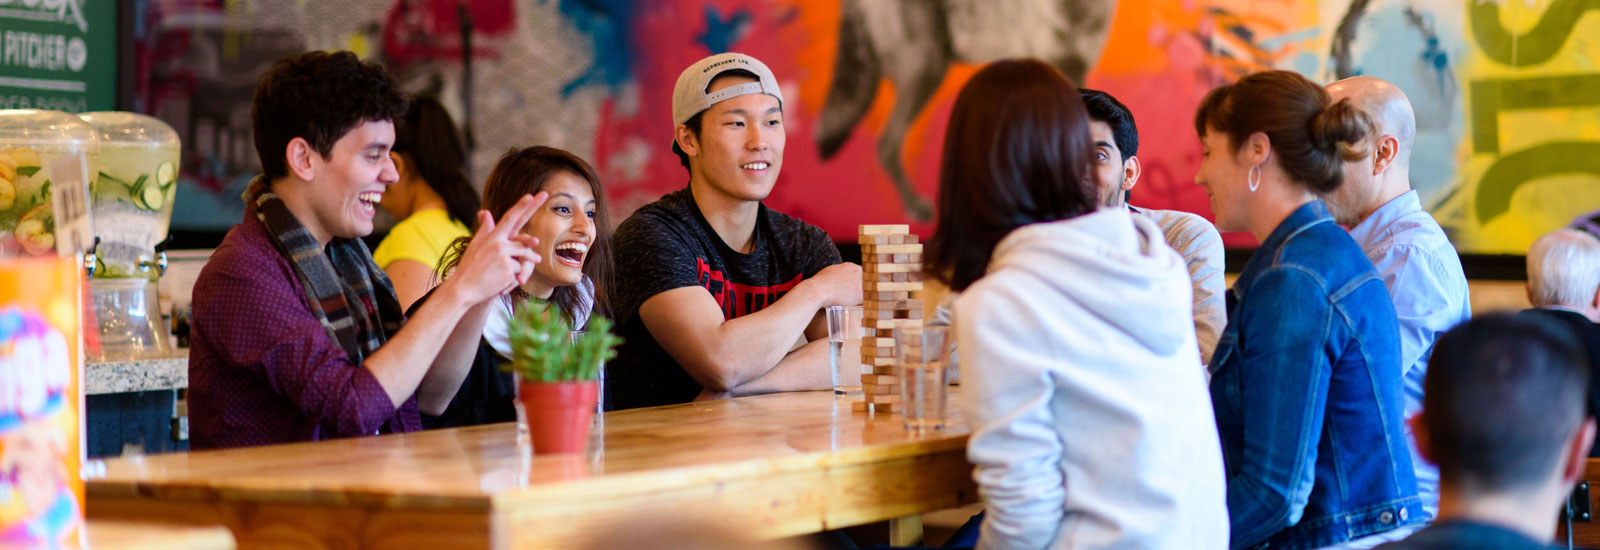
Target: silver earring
1255,177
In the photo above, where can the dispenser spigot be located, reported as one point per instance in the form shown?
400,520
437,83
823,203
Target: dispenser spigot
90,258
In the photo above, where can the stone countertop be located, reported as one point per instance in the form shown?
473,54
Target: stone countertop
121,376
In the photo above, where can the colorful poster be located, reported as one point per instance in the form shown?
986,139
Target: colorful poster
41,445
1507,116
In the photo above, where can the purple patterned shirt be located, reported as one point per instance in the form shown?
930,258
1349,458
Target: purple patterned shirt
262,369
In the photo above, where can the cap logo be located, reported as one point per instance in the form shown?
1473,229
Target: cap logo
713,66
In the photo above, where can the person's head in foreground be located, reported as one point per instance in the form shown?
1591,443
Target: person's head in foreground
1016,152
1504,417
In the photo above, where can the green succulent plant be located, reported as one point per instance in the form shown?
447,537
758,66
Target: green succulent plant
541,350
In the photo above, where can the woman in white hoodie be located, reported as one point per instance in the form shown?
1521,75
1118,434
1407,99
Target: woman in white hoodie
1091,425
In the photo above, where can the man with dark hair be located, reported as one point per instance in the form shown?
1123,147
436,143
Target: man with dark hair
1503,416
1116,141
296,331
716,294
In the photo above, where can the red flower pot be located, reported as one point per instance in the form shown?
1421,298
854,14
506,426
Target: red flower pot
558,414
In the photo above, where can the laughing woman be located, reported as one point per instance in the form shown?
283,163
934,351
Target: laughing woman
574,235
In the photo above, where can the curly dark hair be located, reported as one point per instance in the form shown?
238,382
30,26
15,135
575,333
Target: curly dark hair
319,96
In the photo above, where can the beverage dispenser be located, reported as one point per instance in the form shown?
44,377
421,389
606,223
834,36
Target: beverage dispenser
130,203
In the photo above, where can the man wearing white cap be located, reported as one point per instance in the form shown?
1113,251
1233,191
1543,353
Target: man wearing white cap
716,294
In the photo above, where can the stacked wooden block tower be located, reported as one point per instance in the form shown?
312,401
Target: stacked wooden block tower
891,283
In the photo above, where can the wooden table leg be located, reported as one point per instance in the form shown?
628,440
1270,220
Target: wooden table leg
905,531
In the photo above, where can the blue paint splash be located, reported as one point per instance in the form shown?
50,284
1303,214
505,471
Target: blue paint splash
720,33
608,24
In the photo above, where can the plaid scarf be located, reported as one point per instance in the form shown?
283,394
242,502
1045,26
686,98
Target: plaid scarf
345,275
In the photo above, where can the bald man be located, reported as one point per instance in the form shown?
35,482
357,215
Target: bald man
1418,264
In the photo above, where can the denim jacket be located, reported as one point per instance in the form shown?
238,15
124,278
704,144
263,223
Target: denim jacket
1307,393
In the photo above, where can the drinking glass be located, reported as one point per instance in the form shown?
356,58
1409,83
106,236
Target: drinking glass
844,348
923,353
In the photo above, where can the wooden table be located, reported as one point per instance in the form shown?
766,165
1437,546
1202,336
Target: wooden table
774,466
127,535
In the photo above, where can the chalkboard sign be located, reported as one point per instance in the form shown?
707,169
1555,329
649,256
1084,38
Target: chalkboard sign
58,54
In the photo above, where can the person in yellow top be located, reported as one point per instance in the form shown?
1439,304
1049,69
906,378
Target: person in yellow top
433,199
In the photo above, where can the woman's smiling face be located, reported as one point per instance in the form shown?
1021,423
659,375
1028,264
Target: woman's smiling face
565,228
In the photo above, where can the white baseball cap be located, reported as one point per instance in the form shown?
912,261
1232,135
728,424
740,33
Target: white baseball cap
689,96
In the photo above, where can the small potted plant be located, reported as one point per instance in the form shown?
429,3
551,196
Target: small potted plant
556,388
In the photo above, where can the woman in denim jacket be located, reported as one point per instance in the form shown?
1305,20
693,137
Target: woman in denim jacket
1306,377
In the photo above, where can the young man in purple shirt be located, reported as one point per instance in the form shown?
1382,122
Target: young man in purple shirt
296,331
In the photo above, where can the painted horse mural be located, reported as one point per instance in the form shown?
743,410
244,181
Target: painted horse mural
913,42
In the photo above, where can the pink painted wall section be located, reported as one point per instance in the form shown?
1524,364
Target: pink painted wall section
1508,142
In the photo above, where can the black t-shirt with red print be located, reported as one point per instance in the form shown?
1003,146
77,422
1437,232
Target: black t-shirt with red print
668,244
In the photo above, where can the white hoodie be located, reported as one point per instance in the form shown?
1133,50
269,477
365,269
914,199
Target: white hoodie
1091,426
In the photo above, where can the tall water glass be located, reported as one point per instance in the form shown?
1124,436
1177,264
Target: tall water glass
844,348
923,353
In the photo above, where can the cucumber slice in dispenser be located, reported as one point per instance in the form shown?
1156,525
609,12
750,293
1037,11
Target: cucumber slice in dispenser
150,197
166,175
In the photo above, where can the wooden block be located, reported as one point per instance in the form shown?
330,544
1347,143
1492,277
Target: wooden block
875,362
877,342
881,240
891,258
881,324
884,229
885,398
886,295
897,313
901,238
907,304
891,249
877,352
876,389
885,370
892,277
873,356
875,286
880,379
891,267
863,406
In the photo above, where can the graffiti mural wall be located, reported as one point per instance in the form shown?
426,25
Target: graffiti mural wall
1507,93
